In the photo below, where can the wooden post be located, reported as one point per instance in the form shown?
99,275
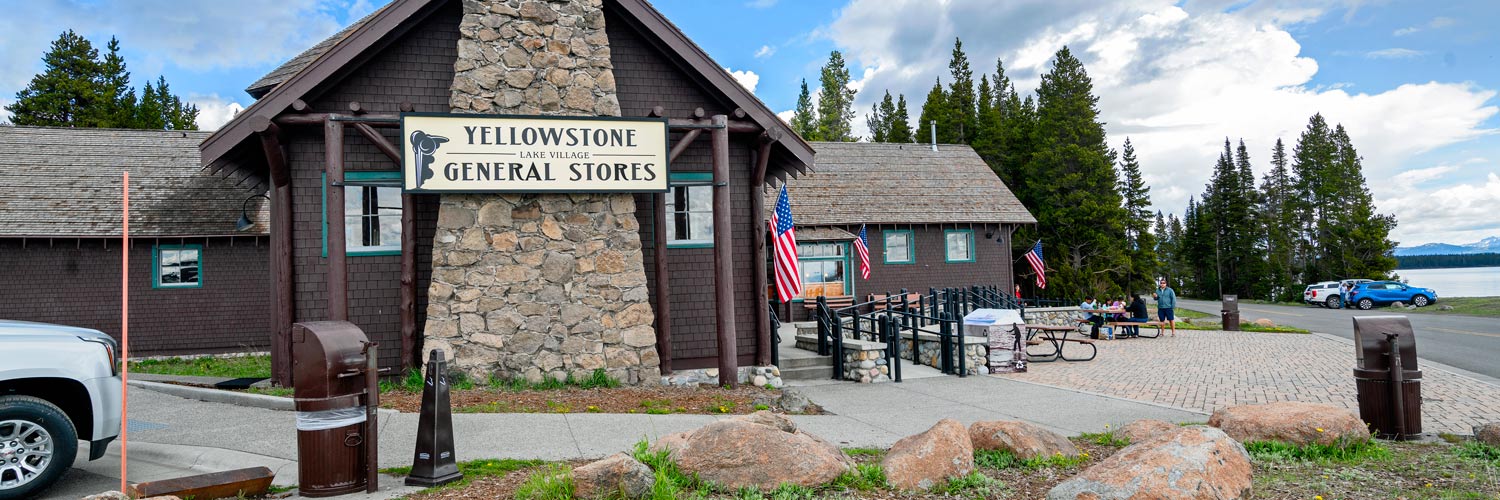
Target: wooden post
338,271
409,357
663,288
758,259
724,256
283,311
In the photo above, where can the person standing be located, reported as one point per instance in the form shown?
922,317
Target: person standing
1166,302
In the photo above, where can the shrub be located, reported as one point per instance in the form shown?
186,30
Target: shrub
554,482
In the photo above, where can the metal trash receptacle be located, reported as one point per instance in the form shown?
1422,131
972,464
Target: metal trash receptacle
330,360
1229,313
1391,414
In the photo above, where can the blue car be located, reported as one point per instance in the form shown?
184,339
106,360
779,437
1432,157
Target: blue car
1379,293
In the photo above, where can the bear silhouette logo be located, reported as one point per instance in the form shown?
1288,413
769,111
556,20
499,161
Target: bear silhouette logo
423,146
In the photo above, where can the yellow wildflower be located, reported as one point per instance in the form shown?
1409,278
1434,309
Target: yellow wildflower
1320,429
1318,497
1429,485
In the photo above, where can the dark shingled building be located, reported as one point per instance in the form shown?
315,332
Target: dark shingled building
198,282
933,219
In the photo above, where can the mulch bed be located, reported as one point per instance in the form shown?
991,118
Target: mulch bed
651,400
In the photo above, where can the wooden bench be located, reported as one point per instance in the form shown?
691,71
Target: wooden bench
911,300
1119,325
834,302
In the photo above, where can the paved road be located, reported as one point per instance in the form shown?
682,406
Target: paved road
1467,342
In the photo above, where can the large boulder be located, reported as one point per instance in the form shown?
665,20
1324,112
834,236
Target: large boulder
1142,430
1187,463
1266,323
1488,434
672,443
1290,422
617,475
760,450
925,460
1022,439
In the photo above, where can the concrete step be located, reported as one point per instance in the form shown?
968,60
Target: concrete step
787,363
807,373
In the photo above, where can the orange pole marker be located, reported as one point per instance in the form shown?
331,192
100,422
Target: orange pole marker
124,332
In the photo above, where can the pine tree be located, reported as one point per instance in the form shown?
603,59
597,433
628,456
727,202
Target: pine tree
836,101
69,92
900,130
118,99
1017,120
1278,222
988,126
1311,160
961,99
1140,242
1359,246
934,111
1078,209
805,118
882,119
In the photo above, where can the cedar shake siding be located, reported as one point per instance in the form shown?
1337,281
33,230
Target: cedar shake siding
76,282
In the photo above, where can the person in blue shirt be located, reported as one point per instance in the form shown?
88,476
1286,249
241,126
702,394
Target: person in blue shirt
1166,301
1096,319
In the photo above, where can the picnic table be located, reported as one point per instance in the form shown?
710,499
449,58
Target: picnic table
1057,336
1122,324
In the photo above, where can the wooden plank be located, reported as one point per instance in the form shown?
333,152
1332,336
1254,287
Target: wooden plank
250,482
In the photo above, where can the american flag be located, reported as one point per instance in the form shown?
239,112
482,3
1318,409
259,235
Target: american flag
1035,258
862,245
784,236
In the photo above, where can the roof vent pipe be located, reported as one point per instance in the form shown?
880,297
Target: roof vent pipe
933,129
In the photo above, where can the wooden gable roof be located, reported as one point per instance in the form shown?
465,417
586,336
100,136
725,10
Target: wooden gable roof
306,74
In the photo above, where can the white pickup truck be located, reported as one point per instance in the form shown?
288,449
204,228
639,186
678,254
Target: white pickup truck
58,385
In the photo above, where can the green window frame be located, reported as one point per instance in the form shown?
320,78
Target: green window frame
691,188
948,246
367,179
805,258
170,257
911,246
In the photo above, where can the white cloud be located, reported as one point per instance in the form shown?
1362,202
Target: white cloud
761,4
1435,23
786,116
1455,214
214,111
1417,176
1394,53
1175,78
765,51
747,78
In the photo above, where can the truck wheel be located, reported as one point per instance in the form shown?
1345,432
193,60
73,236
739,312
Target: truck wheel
37,444
1419,301
1334,302
1366,304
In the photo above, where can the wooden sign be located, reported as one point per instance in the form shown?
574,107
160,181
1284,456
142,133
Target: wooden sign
466,153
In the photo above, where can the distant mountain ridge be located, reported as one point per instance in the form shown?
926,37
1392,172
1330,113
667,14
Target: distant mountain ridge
1487,245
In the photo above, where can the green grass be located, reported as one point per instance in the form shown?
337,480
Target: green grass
864,477
257,366
671,482
553,482
1110,437
280,392
854,452
473,469
413,379
998,459
1466,306
1475,450
1346,453
974,485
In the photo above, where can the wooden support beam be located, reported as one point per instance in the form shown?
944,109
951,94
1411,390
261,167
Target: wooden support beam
409,355
379,141
698,113
758,259
663,286
373,119
734,126
657,111
300,106
356,108
724,256
683,143
283,310
338,271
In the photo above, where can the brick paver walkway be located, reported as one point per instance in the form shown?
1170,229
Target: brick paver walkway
1204,371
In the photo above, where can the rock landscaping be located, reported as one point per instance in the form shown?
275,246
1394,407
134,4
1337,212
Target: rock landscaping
925,460
1488,434
619,475
762,451
1141,430
1291,422
1024,440
1187,463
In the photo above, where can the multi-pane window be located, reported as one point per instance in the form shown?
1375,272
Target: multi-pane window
179,266
900,247
823,269
692,211
959,245
372,219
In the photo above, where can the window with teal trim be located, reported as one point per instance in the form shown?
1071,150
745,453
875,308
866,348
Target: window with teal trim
900,247
958,245
177,266
690,210
824,269
372,214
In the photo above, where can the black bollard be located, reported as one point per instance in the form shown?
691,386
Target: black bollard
433,464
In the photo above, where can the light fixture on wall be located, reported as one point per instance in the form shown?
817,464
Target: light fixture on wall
245,223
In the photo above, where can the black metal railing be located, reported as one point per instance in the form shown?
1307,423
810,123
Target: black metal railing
775,323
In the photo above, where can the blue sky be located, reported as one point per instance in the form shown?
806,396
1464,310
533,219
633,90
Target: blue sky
1414,82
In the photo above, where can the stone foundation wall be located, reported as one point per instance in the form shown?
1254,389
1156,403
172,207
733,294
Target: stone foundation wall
544,285
929,352
759,376
1055,316
865,362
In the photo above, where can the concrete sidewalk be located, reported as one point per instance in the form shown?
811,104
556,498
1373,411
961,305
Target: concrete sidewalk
171,436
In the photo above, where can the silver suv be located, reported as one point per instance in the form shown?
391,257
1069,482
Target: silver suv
58,385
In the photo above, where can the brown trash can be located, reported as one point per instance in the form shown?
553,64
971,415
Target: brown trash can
1230,313
329,364
1390,414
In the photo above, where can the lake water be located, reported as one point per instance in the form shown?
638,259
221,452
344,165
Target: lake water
1457,282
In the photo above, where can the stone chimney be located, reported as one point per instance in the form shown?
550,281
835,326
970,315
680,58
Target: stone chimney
543,285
